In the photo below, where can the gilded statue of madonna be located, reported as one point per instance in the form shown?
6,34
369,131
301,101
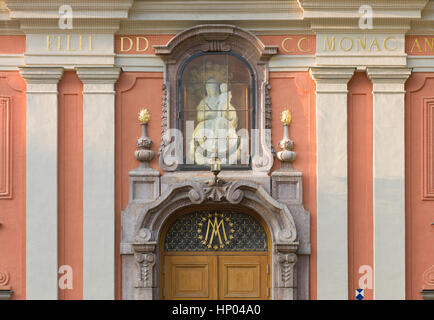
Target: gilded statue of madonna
217,126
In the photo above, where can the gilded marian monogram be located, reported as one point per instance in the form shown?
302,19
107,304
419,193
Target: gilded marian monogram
215,231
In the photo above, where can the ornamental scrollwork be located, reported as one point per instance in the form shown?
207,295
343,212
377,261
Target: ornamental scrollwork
166,149
216,192
286,269
145,267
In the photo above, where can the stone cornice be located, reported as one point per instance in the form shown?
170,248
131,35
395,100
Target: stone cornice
258,16
4,11
92,15
258,27
7,26
238,10
49,9
425,25
343,16
29,26
349,9
10,27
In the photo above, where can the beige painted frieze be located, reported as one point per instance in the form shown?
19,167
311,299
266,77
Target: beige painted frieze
360,49
69,49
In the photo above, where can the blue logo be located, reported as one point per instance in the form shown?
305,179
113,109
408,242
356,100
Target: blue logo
360,294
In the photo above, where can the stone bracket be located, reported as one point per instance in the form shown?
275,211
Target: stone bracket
144,257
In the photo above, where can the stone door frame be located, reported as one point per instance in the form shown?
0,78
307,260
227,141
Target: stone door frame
141,258
239,254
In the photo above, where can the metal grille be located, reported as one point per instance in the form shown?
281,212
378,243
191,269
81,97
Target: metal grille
216,230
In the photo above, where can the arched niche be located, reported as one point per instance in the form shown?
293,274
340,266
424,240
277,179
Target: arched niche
216,38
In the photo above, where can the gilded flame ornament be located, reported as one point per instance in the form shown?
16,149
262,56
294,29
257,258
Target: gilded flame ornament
144,154
286,117
144,116
286,144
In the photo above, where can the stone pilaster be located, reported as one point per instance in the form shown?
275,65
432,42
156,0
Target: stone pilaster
98,181
332,180
389,181
41,180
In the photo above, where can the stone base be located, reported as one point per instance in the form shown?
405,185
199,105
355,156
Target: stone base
144,185
427,294
5,294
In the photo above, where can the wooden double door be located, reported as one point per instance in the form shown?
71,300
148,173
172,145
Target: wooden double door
225,275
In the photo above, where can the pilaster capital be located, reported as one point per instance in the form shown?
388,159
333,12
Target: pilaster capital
98,80
388,80
41,75
331,74
98,75
388,75
331,79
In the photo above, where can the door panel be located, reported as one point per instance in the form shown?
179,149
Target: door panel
242,277
190,277
215,277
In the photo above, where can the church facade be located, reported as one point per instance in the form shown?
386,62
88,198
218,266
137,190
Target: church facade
217,149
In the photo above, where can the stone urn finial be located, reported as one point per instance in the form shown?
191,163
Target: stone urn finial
144,154
286,144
